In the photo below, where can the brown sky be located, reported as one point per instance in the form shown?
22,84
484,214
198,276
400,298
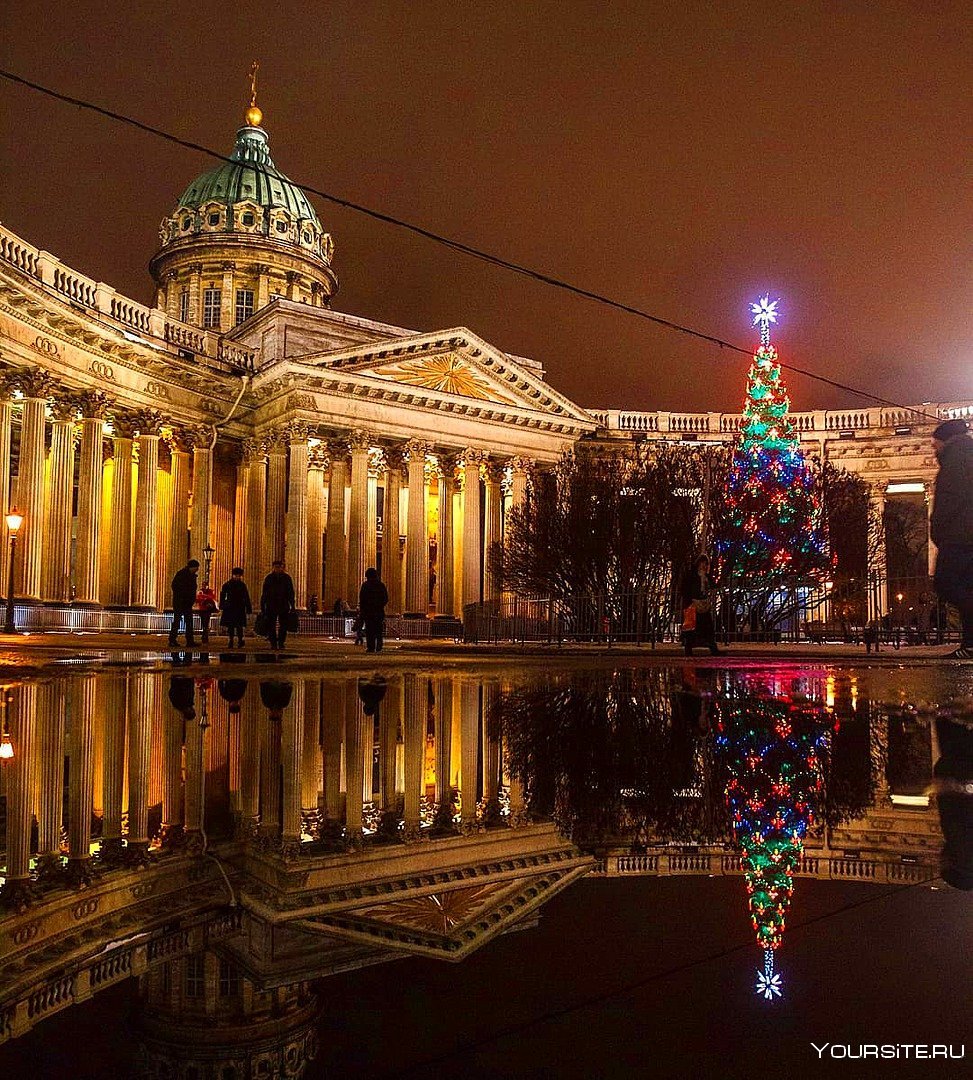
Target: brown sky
681,157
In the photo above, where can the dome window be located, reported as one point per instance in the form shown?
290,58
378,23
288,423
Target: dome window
248,218
214,219
186,224
307,238
282,226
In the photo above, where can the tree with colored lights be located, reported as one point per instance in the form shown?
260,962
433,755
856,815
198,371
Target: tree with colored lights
772,744
769,534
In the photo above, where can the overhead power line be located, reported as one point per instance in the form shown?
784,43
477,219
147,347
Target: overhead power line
465,249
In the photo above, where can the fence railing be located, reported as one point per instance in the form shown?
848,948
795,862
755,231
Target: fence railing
873,612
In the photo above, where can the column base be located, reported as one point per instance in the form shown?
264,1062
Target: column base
87,605
111,851
137,855
78,873
50,873
16,894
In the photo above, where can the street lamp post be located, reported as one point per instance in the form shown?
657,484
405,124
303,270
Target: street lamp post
14,521
208,553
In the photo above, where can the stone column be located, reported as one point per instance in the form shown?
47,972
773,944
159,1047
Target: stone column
60,509
469,752
50,778
7,387
87,559
81,787
297,511
118,585
145,570
315,525
878,585
335,549
36,386
445,554
240,509
358,515
521,470
113,706
183,442
227,298
16,892
141,709
493,531
930,546
375,465
472,460
196,294
415,697
391,562
416,534
276,498
878,753
200,531
253,562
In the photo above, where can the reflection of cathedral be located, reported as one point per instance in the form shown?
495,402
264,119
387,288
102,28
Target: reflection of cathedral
290,428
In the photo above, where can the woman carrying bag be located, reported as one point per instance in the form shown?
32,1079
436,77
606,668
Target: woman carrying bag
696,591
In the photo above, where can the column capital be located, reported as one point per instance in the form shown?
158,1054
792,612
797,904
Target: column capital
293,277
148,421
36,383
359,439
417,449
376,459
318,458
394,457
183,439
94,405
274,442
202,436
64,406
298,431
473,458
228,265
8,385
521,464
253,451
338,448
195,268
494,471
123,425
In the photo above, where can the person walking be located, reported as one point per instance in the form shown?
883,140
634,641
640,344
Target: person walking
205,605
183,598
951,525
372,599
277,601
695,589
235,605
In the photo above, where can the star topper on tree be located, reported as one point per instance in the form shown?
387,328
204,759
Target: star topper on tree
764,313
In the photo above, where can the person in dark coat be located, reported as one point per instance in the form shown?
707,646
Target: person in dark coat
951,525
182,696
235,605
183,598
372,599
953,782
277,601
695,590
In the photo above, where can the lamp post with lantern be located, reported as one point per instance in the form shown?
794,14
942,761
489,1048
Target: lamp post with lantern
14,521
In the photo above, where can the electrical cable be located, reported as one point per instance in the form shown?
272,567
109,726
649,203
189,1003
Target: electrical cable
466,249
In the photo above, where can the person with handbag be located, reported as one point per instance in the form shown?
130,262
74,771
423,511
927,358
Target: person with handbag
372,599
235,605
696,590
278,604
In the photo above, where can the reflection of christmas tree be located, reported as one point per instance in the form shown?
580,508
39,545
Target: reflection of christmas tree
773,748
773,508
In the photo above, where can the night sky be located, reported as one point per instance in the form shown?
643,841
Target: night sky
683,158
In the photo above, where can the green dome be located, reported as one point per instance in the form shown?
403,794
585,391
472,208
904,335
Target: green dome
250,176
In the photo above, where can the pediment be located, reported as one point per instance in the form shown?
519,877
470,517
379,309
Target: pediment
447,373
447,923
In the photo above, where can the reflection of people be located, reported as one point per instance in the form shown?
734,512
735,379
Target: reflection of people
371,691
183,598
232,691
235,605
695,590
276,696
372,598
277,602
951,525
182,696
953,775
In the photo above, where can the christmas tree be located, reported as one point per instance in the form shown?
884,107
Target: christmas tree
772,525
772,746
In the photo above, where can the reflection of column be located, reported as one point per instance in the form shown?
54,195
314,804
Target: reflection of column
94,407
336,552
141,707
472,460
315,525
173,724
50,764
119,569
250,728
297,512
182,445
291,741
469,746
878,592
390,717
391,560
494,513
358,514
311,750
446,604
36,387
195,777
112,705
146,568
270,778
57,545
415,692
201,529
254,566
878,753
16,892
81,788
332,733
356,725
491,759
416,539
444,739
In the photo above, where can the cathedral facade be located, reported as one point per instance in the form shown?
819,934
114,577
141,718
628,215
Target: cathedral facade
241,418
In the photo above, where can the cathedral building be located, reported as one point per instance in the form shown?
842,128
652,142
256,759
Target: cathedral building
242,418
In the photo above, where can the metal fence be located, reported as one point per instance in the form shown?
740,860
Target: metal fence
874,612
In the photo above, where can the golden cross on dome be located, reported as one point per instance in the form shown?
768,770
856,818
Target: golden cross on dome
254,115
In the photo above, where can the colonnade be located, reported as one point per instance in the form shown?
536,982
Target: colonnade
153,761
152,493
